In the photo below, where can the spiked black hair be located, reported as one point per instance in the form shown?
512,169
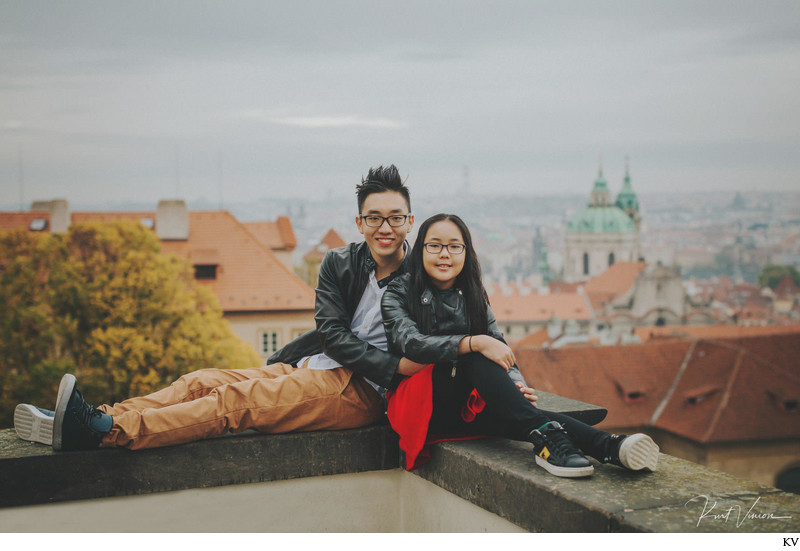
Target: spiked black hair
379,180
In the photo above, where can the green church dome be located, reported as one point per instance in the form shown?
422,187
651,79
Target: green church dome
609,219
603,217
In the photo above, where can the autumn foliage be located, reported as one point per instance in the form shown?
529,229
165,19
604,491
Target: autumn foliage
103,303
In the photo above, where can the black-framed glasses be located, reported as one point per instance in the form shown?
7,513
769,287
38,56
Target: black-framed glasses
375,221
452,248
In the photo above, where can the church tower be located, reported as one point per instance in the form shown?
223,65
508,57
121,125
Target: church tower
629,203
603,233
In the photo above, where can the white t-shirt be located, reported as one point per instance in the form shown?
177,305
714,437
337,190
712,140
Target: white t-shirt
367,325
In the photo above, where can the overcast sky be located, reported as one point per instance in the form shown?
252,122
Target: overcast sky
107,101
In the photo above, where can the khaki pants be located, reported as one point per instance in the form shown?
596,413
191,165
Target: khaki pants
272,399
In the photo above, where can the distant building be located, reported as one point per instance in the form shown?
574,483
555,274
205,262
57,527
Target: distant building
265,303
278,236
521,310
313,258
603,233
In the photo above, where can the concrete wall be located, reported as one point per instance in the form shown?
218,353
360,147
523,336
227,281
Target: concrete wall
250,326
598,246
378,501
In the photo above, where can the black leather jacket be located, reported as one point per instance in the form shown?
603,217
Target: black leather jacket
445,312
343,277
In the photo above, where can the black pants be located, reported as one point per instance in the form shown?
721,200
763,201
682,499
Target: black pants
507,413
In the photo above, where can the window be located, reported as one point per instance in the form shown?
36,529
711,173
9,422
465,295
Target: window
610,260
269,343
38,224
585,263
205,271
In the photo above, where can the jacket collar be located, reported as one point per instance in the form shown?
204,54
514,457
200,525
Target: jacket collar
370,265
426,298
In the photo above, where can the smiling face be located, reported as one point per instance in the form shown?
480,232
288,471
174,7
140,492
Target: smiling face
385,242
443,267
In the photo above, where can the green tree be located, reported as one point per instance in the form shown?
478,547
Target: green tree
771,275
102,302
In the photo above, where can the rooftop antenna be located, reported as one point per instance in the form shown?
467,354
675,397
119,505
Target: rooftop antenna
21,179
219,178
177,172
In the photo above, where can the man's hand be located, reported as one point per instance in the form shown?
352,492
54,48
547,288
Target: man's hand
528,393
407,367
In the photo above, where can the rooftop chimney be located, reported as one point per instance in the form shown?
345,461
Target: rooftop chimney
172,220
59,213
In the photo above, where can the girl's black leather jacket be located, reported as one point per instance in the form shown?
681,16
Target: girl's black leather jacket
443,311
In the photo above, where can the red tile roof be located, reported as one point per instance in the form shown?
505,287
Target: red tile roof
616,281
330,240
630,381
78,217
563,287
746,389
704,390
250,277
533,340
786,287
713,331
21,220
277,235
535,307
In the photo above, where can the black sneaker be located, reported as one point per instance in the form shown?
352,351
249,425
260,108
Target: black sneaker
557,454
77,425
635,452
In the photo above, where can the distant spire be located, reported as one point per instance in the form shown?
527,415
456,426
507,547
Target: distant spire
600,196
627,170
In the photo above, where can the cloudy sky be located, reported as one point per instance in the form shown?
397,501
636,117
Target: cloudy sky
108,101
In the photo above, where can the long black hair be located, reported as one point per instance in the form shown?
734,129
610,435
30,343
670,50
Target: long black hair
468,281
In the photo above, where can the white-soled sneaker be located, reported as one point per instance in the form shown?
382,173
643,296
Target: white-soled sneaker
34,424
557,453
638,452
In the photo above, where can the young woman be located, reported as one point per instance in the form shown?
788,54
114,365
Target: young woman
438,314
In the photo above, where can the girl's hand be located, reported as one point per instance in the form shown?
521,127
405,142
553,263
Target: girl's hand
495,350
528,393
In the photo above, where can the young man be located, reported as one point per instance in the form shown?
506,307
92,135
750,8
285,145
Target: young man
331,378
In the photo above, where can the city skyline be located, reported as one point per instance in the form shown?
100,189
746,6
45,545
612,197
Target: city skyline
111,102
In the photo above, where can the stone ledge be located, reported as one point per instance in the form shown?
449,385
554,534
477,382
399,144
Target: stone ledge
33,473
497,475
501,476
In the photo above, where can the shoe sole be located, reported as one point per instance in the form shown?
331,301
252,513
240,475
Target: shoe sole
564,472
33,425
639,452
65,389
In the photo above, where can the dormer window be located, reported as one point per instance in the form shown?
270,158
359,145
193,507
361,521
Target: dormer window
38,224
787,404
630,395
205,271
696,396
